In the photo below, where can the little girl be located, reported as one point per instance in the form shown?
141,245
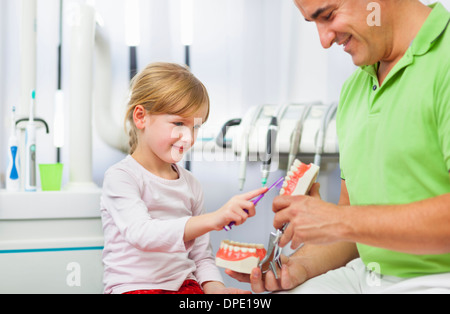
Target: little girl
155,227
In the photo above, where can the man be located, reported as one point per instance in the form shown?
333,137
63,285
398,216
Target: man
390,231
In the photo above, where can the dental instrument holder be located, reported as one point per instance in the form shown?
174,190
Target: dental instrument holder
298,134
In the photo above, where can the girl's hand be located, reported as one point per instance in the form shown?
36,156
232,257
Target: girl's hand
235,210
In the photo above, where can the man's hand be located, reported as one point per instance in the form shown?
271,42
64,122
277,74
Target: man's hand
310,219
292,275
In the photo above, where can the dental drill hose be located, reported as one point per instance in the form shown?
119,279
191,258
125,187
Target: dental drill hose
322,133
296,136
245,147
271,138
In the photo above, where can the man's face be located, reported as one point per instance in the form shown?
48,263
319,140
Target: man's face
345,22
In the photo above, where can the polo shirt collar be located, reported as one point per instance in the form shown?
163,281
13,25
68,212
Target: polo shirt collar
434,27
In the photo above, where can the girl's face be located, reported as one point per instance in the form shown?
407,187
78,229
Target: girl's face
168,137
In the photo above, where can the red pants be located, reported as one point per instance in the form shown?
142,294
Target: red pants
188,287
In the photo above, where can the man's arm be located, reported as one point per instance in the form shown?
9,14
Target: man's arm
417,228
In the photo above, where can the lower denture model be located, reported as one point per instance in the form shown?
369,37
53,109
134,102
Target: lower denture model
243,257
239,257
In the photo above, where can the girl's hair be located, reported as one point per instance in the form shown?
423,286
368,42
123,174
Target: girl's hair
164,88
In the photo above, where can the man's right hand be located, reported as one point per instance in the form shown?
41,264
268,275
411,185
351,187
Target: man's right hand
292,275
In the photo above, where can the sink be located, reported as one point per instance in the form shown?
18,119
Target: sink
50,205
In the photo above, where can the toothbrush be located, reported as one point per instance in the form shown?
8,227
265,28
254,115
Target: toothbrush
30,149
278,184
13,180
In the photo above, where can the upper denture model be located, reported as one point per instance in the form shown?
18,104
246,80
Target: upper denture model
299,179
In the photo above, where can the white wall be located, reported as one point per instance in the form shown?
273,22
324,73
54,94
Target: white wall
2,22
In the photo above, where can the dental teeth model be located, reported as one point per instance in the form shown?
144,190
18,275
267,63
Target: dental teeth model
239,257
243,257
299,179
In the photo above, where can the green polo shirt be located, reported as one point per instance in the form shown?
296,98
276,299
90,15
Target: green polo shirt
395,139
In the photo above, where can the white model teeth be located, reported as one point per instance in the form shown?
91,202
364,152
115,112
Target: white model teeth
292,171
295,166
243,247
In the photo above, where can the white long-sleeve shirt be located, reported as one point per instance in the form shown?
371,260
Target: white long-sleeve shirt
144,218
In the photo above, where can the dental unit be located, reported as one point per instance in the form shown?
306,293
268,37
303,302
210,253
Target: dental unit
242,257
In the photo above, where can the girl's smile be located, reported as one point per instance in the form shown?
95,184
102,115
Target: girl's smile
165,138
